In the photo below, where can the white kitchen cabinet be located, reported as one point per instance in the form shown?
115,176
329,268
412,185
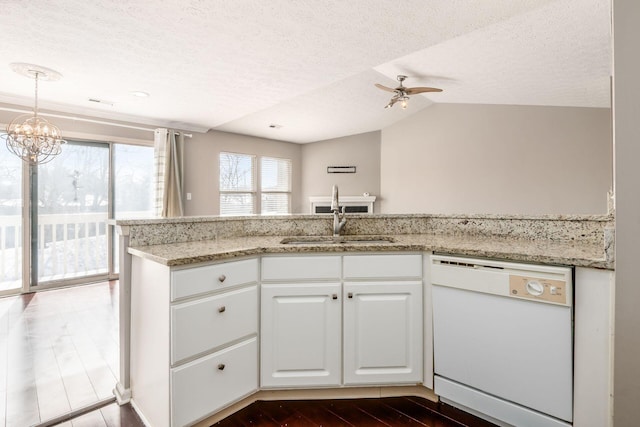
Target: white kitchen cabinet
300,321
301,334
382,332
383,319
194,346
305,339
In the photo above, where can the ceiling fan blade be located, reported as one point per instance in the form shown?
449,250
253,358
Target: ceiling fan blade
388,89
415,90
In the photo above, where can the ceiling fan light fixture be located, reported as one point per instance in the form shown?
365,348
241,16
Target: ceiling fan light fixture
401,93
29,136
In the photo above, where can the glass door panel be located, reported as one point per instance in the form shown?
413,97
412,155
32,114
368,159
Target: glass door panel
10,221
69,239
134,192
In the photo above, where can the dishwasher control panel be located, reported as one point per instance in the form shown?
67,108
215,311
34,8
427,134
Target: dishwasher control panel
537,288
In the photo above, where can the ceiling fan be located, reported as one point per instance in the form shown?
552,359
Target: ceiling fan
402,92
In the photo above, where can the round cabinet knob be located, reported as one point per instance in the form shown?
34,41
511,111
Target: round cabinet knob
221,367
222,278
534,288
222,309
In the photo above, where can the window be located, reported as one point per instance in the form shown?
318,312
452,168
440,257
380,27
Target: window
237,184
275,183
238,188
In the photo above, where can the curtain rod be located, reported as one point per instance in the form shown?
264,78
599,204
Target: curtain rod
81,119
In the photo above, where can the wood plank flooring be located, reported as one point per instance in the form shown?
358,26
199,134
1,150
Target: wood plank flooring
389,412
386,412
58,352
109,416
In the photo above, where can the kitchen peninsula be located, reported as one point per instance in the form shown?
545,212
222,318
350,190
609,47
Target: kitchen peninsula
169,268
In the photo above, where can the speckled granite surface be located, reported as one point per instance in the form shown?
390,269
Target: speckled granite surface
541,251
581,240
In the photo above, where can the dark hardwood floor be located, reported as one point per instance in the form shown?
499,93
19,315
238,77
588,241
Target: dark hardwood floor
390,411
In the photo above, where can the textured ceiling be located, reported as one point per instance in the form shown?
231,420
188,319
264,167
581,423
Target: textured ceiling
306,65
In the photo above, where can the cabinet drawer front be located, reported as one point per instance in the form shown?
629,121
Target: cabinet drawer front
200,280
382,266
204,324
301,268
205,385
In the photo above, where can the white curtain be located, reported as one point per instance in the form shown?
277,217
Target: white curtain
168,156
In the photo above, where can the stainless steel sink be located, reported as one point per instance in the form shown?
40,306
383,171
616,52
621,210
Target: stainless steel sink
342,240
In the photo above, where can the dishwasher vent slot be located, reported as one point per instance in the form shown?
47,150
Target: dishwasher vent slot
468,265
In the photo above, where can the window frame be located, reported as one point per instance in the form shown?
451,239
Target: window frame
257,184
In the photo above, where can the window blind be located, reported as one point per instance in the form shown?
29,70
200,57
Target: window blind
275,183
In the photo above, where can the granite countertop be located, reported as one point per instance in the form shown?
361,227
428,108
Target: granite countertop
542,251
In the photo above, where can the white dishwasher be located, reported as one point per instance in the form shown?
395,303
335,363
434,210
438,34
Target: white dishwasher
503,340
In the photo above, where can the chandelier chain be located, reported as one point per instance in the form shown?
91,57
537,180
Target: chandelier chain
35,108
34,139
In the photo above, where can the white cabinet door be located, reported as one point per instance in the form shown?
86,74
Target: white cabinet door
301,336
382,332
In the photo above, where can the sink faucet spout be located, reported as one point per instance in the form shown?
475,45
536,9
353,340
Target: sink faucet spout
338,214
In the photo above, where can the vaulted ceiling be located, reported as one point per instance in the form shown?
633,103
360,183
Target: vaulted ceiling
307,66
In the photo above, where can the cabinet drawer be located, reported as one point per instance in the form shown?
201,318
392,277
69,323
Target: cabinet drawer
206,385
382,266
301,268
200,280
204,324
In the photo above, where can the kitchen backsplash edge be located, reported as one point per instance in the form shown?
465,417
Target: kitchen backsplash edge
590,229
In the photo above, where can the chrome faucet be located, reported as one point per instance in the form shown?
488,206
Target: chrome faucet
338,215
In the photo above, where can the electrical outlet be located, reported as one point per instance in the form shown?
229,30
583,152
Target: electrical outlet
188,196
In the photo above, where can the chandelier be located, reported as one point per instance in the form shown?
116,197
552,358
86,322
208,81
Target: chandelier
29,136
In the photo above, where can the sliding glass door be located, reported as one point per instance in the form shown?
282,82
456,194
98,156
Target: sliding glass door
70,206
68,202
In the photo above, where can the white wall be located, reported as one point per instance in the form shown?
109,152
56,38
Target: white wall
626,15
454,158
361,151
202,166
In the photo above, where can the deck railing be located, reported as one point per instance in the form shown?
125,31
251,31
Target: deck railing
69,245
10,251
